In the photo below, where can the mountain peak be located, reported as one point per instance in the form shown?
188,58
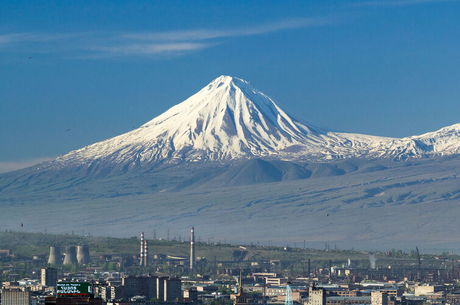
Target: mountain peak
226,80
227,119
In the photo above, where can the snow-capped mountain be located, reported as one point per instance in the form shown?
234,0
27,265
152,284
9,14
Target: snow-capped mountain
229,119
445,141
121,184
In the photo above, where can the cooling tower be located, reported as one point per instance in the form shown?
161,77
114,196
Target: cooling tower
55,256
70,256
83,255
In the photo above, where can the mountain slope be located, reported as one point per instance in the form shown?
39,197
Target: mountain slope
231,120
228,119
444,142
230,161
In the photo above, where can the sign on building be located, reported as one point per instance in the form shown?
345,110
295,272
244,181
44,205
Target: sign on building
70,290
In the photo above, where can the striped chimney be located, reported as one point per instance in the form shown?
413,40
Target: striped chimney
146,253
141,263
192,249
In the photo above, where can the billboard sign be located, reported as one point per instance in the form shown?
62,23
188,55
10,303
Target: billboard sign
73,290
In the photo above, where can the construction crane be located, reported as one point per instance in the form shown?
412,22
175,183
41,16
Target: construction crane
288,300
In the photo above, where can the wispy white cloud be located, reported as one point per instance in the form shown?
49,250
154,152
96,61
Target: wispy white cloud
113,44
147,48
15,165
395,3
205,34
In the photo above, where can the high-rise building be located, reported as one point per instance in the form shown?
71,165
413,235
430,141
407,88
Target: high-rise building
117,292
379,298
161,287
172,289
49,277
191,294
316,296
15,297
140,285
131,285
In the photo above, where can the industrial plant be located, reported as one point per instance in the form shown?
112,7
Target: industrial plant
187,272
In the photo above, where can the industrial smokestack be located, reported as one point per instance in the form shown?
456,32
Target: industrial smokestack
192,249
141,262
146,253
70,256
309,271
55,256
83,255
372,260
330,268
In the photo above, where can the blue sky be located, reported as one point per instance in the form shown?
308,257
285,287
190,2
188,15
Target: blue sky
76,72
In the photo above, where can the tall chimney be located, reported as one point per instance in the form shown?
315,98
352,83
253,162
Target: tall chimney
141,263
192,250
55,256
330,268
70,256
146,253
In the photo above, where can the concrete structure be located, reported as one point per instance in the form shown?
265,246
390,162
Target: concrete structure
452,299
15,297
146,253
379,298
192,250
83,257
172,289
49,277
420,290
140,286
117,292
316,296
161,287
70,256
191,294
55,256
141,261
